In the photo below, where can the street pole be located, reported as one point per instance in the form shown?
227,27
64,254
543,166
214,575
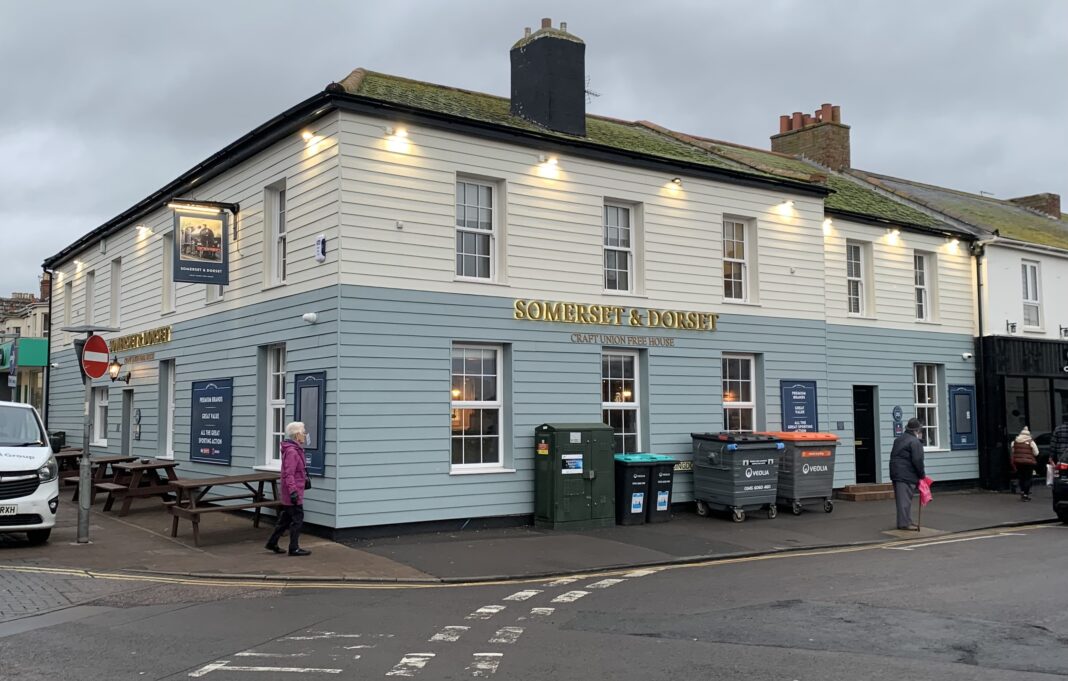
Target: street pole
84,466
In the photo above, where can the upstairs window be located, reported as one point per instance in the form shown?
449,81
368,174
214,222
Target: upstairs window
275,234
735,261
856,279
921,287
116,291
618,248
90,297
169,289
475,230
1032,301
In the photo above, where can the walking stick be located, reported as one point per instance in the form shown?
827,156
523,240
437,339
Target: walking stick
919,521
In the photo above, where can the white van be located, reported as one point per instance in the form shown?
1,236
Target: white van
29,475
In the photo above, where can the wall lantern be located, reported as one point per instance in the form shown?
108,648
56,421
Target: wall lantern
1010,327
113,371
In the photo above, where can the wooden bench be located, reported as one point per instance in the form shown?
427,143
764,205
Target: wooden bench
110,488
193,501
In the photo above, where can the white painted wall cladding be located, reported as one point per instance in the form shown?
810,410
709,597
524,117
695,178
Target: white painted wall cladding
892,277
553,227
310,173
1003,291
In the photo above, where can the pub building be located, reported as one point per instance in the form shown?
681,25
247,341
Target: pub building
424,274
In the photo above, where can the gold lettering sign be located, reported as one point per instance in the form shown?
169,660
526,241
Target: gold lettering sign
613,315
141,340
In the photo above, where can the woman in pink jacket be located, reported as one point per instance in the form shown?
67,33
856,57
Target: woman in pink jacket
294,480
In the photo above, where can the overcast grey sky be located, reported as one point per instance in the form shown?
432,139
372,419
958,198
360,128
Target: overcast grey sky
102,103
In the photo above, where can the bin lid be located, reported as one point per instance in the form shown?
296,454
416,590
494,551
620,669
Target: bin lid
563,427
644,457
803,437
736,438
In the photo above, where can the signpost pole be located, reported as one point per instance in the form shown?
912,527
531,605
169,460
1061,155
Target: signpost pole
85,467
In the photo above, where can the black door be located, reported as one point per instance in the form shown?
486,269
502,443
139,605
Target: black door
864,433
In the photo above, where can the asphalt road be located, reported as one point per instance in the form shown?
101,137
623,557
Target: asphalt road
987,606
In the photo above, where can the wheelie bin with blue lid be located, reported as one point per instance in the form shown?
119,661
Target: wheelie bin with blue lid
735,472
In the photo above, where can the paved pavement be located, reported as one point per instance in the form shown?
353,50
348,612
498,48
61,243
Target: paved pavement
230,546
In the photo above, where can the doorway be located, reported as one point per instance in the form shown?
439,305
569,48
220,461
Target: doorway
127,420
864,442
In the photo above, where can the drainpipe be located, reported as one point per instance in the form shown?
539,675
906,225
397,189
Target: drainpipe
48,347
978,250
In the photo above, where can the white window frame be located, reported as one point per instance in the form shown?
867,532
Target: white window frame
169,289
213,293
859,278
166,419
115,294
462,229
926,376
455,405
743,262
921,281
612,207
620,401
730,401
99,436
276,233
275,404
90,296
68,302
1032,291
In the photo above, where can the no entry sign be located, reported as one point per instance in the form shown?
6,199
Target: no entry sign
95,357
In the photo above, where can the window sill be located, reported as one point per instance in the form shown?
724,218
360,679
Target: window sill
1034,329
624,294
935,450
167,313
272,468
98,443
214,302
270,287
929,322
863,317
475,280
744,303
479,471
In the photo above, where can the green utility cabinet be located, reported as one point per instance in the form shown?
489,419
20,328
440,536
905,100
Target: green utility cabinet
574,481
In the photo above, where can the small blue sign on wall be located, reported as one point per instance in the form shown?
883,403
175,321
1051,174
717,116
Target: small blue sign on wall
799,406
210,426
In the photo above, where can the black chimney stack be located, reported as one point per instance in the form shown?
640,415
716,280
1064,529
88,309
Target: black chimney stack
549,79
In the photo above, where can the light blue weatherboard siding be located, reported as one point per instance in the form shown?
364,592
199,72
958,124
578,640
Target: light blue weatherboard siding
222,345
395,378
886,359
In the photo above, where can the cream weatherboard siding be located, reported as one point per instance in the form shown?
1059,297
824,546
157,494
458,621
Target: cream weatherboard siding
398,215
891,276
1003,291
311,175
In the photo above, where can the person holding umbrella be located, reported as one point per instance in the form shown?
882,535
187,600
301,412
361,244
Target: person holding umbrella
906,471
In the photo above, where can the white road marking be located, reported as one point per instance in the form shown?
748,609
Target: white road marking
320,635
570,596
955,541
485,612
251,654
562,581
450,634
507,635
360,647
641,573
604,583
485,664
208,668
410,664
523,595
541,612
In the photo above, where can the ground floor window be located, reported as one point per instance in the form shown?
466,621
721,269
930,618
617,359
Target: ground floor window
275,403
927,392
1040,404
100,417
739,399
619,398
476,404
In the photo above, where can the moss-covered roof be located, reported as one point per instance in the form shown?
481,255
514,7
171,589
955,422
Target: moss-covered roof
1008,219
849,196
606,132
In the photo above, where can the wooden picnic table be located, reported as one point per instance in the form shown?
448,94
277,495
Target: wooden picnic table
68,459
139,478
193,501
100,465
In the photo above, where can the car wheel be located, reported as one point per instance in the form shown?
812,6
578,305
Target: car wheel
1063,516
38,537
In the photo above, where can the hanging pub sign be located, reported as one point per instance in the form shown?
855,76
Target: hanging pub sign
799,406
210,423
201,248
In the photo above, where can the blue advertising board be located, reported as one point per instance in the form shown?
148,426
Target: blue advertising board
799,406
201,248
210,424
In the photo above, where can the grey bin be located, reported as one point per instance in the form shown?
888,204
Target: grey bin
735,472
806,470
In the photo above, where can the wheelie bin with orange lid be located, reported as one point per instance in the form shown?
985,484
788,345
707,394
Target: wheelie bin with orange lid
806,470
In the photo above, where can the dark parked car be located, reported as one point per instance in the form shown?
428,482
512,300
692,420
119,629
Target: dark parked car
1045,446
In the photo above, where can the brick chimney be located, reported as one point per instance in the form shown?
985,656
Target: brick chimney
549,79
820,137
46,287
1047,203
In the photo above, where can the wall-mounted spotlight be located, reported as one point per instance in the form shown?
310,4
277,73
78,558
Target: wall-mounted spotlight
893,235
1064,331
397,139
396,132
828,226
113,371
207,207
144,230
677,181
547,160
785,208
1010,327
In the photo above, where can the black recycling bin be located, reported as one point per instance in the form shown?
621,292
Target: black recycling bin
632,488
735,472
661,476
